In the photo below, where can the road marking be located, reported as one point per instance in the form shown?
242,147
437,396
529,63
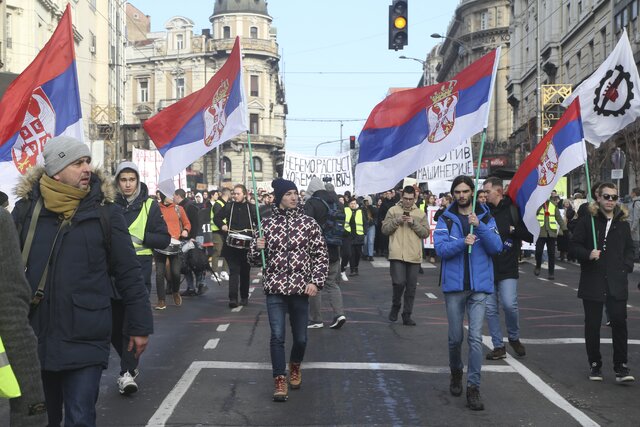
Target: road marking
222,328
255,281
554,341
545,389
385,264
561,284
430,295
169,404
543,279
212,344
237,309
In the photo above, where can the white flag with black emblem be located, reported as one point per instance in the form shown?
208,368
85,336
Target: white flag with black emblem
610,98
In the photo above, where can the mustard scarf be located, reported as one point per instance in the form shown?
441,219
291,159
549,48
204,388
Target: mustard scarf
60,198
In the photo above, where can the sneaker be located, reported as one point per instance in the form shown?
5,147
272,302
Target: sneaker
188,293
536,271
344,277
393,314
295,376
233,304
473,398
161,305
407,320
551,277
622,373
315,325
517,346
595,373
244,301
432,260
281,389
420,270
202,289
223,275
455,384
497,354
338,321
126,384
177,299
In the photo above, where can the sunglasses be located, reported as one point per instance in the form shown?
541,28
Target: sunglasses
613,197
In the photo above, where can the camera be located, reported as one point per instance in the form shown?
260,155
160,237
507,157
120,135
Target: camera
326,179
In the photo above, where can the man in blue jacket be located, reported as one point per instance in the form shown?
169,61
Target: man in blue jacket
74,240
467,280
148,231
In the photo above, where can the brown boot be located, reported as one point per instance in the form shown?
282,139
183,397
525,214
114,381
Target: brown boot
161,305
281,391
177,299
295,376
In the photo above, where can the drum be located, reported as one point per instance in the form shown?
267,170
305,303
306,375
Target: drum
238,241
172,249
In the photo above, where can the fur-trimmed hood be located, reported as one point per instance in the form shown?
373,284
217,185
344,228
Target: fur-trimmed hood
620,212
27,183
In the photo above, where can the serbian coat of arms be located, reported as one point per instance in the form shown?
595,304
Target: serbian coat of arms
38,127
215,118
548,166
441,114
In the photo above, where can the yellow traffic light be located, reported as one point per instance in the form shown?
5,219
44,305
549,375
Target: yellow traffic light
400,22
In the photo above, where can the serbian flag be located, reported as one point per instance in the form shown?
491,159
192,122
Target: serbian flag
413,128
559,152
42,102
193,126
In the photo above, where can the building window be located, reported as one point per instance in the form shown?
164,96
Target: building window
254,32
253,124
257,164
179,41
568,15
578,63
226,168
93,43
483,20
254,86
180,88
92,4
143,90
579,9
603,44
9,31
634,10
226,32
618,23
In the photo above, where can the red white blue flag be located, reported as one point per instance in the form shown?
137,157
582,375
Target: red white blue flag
559,152
193,126
42,102
413,128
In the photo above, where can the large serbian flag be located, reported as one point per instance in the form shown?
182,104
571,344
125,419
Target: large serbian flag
413,128
559,152
193,126
42,102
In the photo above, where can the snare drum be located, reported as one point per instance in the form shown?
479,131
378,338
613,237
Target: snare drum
172,249
238,241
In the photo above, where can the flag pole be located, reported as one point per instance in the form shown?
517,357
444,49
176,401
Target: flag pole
475,191
255,195
589,200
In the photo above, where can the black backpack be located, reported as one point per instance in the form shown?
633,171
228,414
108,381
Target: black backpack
333,227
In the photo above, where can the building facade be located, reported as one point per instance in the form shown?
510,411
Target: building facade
478,27
166,66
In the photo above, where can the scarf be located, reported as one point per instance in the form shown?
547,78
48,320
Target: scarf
60,198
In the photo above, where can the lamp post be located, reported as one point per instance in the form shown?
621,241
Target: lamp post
460,43
424,68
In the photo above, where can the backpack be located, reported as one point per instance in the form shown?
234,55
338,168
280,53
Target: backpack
333,227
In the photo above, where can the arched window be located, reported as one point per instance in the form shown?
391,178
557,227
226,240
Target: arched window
257,164
226,168
254,32
226,32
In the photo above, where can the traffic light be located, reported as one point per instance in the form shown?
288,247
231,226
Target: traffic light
398,25
352,142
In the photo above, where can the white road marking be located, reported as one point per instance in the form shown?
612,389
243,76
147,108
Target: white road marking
385,264
237,309
553,341
545,389
255,281
212,344
222,328
430,295
561,284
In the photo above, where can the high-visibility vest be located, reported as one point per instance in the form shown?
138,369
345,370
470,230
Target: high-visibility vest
214,227
138,227
9,387
552,215
359,221
423,206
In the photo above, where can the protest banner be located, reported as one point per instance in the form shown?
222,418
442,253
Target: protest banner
149,162
458,161
300,169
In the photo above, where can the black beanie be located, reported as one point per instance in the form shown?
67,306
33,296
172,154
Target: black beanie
280,188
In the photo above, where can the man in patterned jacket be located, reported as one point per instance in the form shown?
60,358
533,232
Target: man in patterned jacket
297,263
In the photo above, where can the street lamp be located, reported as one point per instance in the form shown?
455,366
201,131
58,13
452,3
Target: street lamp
424,68
462,48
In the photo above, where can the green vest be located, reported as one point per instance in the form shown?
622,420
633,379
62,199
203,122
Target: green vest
423,206
9,387
214,227
552,216
138,227
359,221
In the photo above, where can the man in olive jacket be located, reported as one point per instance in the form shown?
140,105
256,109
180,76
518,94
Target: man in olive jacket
406,226
603,277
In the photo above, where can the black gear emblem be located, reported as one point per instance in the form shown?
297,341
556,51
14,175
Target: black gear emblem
611,93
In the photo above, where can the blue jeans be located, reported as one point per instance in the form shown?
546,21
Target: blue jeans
369,239
507,292
278,306
456,304
191,285
78,390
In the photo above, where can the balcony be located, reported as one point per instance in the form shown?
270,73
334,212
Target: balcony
248,44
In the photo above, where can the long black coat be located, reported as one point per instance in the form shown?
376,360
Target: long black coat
608,275
73,321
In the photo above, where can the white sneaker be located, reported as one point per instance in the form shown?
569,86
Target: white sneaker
224,275
126,384
344,277
215,277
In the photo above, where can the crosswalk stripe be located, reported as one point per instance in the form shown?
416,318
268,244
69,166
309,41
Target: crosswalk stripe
430,295
222,328
212,344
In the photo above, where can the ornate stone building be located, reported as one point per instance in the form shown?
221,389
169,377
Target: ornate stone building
166,66
478,27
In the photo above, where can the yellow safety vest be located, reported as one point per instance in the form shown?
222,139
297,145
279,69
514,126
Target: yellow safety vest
138,227
423,206
214,227
552,216
359,221
9,387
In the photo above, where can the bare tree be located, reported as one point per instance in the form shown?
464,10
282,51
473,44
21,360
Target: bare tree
630,136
